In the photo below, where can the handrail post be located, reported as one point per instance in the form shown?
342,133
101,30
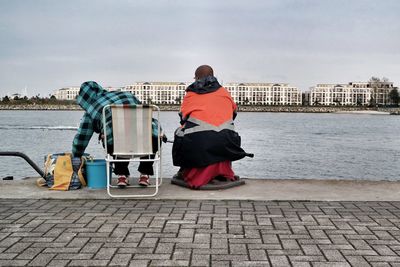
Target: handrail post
25,157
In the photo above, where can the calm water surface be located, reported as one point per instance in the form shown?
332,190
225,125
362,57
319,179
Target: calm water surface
286,145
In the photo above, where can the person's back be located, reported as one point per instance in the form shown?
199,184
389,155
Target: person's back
214,108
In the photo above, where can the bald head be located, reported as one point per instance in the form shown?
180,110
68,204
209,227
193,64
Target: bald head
203,71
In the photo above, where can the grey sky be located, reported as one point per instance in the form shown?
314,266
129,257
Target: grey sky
46,45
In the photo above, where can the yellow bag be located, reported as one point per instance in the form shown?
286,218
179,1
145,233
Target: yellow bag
63,172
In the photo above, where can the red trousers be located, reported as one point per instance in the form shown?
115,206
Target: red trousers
196,177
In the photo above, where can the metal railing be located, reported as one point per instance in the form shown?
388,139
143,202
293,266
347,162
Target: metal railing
25,157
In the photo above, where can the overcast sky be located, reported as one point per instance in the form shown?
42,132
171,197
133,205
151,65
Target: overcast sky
46,45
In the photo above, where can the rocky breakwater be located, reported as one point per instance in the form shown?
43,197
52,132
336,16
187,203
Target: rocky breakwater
39,107
315,109
242,108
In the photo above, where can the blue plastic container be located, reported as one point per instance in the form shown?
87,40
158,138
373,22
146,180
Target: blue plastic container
96,174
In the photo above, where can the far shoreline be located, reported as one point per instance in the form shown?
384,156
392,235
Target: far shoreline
241,108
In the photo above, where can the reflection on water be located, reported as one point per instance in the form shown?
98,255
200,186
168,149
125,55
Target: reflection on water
286,145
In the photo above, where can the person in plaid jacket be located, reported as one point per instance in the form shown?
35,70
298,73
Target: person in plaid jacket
93,98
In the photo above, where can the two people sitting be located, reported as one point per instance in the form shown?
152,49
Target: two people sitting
205,144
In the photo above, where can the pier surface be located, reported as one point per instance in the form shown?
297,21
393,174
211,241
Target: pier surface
263,223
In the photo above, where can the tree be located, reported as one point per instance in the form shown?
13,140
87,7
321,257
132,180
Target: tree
6,99
372,102
394,96
337,101
380,90
178,100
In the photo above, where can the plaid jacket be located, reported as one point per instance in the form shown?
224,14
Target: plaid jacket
93,98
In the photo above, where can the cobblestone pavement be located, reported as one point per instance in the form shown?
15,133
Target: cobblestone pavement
198,233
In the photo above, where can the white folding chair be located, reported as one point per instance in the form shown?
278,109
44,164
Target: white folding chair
132,139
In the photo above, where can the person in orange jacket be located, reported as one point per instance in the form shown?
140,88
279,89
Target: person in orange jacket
206,143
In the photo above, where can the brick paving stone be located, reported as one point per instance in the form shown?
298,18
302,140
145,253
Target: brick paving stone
339,240
218,263
8,256
357,261
383,258
334,255
307,258
88,263
169,263
120,260
258,255
300,264
369,252
127,250
383,264
219,243
139,263
192,246
151,256
237,249
182,254
58,263
270,239
200,263
61,250
29,253
120,245
384,250
331,264
165,248
148,242
75,256
9,241
91,247
250,264
13,262
78,242
311,250
105,253
42,259
279,261
17,248
229,257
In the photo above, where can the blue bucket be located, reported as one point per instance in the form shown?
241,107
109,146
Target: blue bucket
96,174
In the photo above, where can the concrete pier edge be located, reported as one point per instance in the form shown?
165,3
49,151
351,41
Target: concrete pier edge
254,189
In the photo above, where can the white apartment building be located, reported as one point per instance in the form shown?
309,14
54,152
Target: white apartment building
67,93
353,93
264,93
70,93
173,93
158,92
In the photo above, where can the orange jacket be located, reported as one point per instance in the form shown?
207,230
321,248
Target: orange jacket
214,108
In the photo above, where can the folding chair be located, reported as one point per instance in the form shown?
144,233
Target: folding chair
132,139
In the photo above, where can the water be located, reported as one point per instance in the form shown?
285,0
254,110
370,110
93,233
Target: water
286,145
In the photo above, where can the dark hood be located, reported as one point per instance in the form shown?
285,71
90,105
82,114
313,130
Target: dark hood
89,93
204,85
